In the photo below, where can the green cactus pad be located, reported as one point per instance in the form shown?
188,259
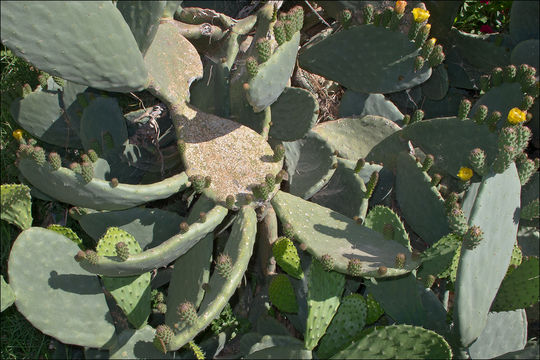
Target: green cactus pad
143,19
437,85
234,156
413,184
239,247
394,341
294,113
504,332
526,53
482,269
309,164
355,137
407,307
54,293
524,20
172,72
192,270
379,216
149,226
324,231
437,259
132,293
383,63
323,298
16,205
272,76
137,344
40,113
287,258
160,255
108,60
345,326
520,288
355,104
501,98
66,186
292,351
344,192
448,139
7,295
67,232
281,294
374,309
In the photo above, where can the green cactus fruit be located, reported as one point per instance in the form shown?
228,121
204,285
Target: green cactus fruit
252,66
261,192
525,170
528,82
451,202
481,114
248,199
354,267
122,250
526,102
437,56
422,35
477,159
418,115
457,221
503,159
54,160
359,165
282,295
264,50
298,16
473,237
382,270
87,171
464,109
419,63
85,158
524,135
427,48
406,119
484,83
184,227
428,162
367,12
507,137
161,308
372,183
114,182
385,16
157,297
75,167
198,183
224,265
327,262
181,145
32,142
496,76
270,181
525,70
436,179
287,257
429,281
279,177
344,18
400,260
395,21
92,155
531,210
67,232
279,152
290,29
493,120
374,309
91,256
38,154
509,73
165,333
187,312
229,201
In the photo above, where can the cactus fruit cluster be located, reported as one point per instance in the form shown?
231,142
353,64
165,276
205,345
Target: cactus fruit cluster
405,226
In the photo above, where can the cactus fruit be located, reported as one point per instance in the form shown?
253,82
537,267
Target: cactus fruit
187,312
38,154
435,180
509,73
224,265
327,262
282,295
114,182
504,158
359,165
428,162
252,66
163,337
406,119
427,48
481,114
368,12
161,308
473,237
422,35
122,250
372,183
382,270
484,83
400,260
75,167
279,176
464,109
457,221
264,50
496,76
287,257
54,160
429,281
261,192
91,256
419,63
198,183
270,181
354,268
493,120
279,152
184,227
418,115
279,33
477,159
344,18
229,201
87,171
436,57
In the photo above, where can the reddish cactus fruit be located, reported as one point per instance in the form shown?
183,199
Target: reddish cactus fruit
114,182
202,216
224,265
187,312
38,154
400,260
327,262
122,250
184,227
75,167
382,270
81,255
354,268
161,308
55,161
164,333
87,171
92,257
92,155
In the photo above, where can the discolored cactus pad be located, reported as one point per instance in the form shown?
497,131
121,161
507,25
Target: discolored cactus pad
287,257
520,288
282,295
16,205
234,156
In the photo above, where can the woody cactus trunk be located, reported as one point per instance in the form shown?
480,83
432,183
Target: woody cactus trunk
406,227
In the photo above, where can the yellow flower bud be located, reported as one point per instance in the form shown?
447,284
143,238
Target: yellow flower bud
516,116
432,41
18,134
465,173
420,15
400,7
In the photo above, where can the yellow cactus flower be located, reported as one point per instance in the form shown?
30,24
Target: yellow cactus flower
516,116
18,134
465,173
400,7
420,15
432,41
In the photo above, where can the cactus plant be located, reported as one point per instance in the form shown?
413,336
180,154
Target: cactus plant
396,195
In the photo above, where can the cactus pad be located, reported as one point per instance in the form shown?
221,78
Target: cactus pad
287,257
520,288
8,297
67,232
281,294
16,205
380,217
